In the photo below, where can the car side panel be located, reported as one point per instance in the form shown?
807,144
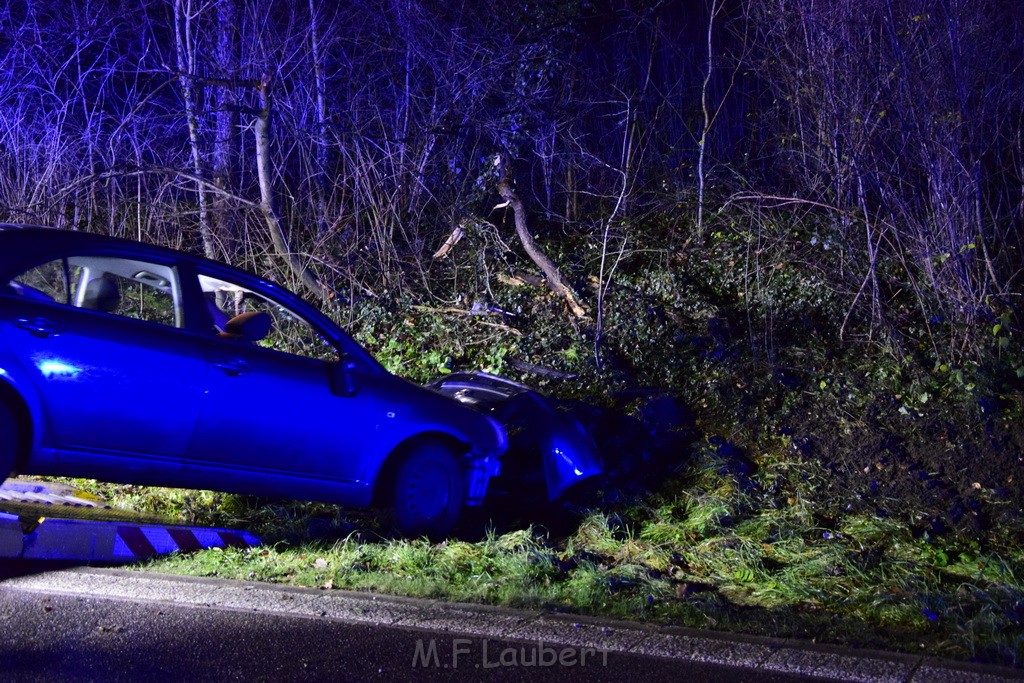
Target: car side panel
278,429
107,383
269,411
211,476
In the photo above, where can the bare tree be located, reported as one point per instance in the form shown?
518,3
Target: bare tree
264,166
894,111
227,134
704,107
185,16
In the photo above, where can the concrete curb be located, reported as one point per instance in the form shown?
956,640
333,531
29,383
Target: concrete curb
755,654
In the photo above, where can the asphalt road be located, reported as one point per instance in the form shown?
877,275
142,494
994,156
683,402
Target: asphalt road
67,623
79,638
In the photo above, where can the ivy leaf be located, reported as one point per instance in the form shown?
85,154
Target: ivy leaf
744,575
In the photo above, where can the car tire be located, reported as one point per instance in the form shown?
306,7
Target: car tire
8,440
428,491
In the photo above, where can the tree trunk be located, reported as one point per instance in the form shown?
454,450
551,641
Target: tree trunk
547,266
703,142
277,236
226,145
320,82
184,50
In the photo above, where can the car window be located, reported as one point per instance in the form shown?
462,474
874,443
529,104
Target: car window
46,282
127,287
289,331
118,286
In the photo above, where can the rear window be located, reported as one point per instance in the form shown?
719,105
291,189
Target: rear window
46,282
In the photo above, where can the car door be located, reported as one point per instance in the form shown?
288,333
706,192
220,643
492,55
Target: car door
101,338
270,413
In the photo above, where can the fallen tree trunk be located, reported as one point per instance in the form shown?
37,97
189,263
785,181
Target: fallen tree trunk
547,266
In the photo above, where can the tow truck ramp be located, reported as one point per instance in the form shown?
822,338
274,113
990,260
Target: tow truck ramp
44,521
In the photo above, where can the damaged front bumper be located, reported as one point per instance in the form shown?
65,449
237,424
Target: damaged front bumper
549,450
478,476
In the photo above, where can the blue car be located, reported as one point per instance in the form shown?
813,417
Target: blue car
136,364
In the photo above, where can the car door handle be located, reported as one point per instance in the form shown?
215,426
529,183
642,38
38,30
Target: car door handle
233,367
38,327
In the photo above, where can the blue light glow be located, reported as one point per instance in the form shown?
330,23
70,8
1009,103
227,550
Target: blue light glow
52,368
568,461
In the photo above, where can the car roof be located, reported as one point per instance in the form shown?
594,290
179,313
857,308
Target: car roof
43,239
22,245
21,226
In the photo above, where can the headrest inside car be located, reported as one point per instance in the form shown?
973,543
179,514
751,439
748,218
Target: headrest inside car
102,294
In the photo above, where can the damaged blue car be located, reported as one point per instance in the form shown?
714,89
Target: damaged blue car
136,364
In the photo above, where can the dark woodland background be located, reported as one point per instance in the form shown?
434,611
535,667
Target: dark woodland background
341,144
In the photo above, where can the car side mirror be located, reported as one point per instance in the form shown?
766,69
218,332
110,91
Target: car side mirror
342,378
251,326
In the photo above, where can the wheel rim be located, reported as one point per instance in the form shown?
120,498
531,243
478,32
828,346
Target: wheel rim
427,491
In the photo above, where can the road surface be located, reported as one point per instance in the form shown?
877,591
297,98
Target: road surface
112,625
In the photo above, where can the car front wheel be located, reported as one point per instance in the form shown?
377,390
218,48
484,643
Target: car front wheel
427,492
